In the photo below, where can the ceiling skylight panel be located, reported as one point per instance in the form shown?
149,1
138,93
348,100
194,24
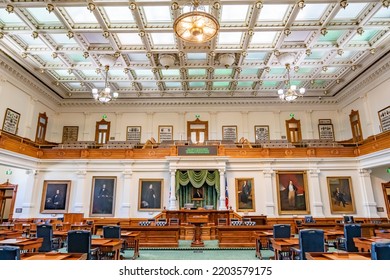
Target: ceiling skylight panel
163,38
148,85
10,19
63,73
157,14
117,73
234,13
75,85
197,72
196,56
42,16
143,73
331,36
137,57
256,56
245,84
220,84
90,73
382,14
229,38
366,36
96,38
47,58
173,84
311,12
129,39
62,39
196,84
272,12
30,41
170,72
119,15
352,11
80,15
78,58
223,72
263,37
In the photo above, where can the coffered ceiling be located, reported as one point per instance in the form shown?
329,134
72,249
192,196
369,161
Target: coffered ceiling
59,42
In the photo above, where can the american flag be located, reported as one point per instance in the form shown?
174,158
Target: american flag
226,195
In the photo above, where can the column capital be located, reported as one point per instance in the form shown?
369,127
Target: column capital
365,172
127,173
268,172
81,173
314,171
221,171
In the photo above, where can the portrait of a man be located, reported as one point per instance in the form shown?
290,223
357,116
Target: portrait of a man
150,194
103,196
245,194
341,195
55,197
197,194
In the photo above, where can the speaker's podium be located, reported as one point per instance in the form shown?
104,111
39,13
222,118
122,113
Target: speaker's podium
198,221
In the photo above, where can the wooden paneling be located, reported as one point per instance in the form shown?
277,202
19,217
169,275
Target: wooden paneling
156,236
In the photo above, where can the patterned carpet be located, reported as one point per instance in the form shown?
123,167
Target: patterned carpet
209,252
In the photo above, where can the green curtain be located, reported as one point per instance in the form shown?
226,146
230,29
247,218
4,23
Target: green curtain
189,179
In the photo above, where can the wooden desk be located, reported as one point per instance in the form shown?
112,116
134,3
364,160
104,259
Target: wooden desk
108,248
239,236
363,244
53,256
283,245
261,241
25,244
155,236
338,256
332,235
132,241
8,234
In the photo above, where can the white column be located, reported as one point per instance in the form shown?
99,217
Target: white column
222,196
182,126
317,205
80,193
213,126
124,194
309,125
87,127
172,191
368,201
149,129
36,193
31,185
269,193
277,130
118,130
245,131
31,121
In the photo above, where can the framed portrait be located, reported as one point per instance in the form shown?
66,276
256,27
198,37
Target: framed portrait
245,194
133,133
103,196
197,194
165,133
261,133
325,131
340,195
55,196
150,194
292,192
384,118
11,121
70,134
229,132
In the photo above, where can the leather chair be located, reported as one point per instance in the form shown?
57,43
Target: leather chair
310,240
281,231
351,231
9,253
309,219
49,243
112,232
79,241
380,251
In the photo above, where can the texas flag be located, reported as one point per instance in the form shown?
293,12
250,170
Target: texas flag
226,195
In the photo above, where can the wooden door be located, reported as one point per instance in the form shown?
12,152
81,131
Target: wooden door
386,196
41,128
197,131
7,200
293,129
102,134
355,126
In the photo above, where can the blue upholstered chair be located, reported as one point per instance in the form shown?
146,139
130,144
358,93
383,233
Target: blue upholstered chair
49,243
79,241
380,251
310,240
309,219
351,231
9,253
281,231
111,232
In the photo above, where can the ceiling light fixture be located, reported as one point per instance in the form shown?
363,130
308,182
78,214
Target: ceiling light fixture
105,95
290,93
196,26
227,59
167,60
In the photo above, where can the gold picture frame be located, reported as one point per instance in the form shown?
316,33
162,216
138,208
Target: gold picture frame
150,194
245,194
292,192
70,134
103,196
55,196
340,195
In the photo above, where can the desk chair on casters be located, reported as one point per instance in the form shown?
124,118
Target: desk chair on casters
310,240
380,251
9,253
79,241
351,231
112,232
49,243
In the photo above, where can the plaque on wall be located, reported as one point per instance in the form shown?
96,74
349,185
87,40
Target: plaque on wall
325,129
261,133
133,134
384,117
165,133
229,132
70,134
11,121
